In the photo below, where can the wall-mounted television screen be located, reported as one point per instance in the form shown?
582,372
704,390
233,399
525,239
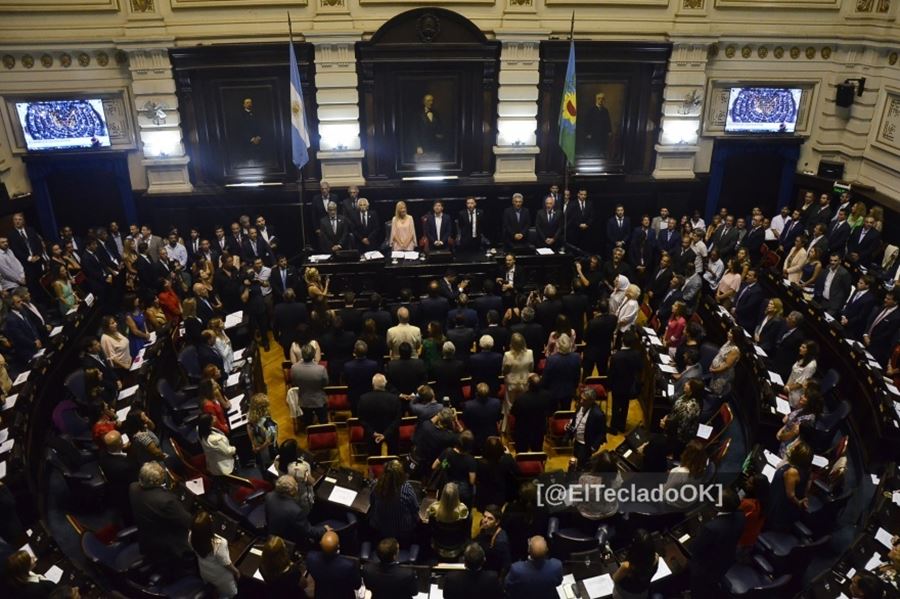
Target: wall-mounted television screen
762,110
63,124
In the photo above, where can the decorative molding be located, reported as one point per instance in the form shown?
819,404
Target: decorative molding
778,52
420,3
693,4
47,60
887,136
804,4
892,58
628,3
57,6
142,6
233,3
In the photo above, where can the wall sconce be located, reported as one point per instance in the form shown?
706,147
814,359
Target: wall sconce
161,144
680,132
517,133
339,137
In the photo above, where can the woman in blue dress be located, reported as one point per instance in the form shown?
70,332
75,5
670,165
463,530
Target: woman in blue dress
136,321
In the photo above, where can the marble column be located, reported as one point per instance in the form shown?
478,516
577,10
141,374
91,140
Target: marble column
517,108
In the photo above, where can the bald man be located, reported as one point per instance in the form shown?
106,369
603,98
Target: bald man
336,576
537,577
120,471
379,412
403,332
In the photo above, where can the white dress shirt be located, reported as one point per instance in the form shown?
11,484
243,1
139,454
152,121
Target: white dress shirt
12,273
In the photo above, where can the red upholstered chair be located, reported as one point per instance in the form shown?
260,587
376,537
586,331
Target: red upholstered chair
376,464
337,399
406,432
531,463
542,363
322,442
359,449
467,389
719,422
193,466
720,452
596,383
556,432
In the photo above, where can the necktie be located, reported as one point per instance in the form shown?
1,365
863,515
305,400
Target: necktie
253,245
365,219
620,223
334,225
284,278
852,298
741,294
550,216
518,217
862,235
581,207
881,316
472,219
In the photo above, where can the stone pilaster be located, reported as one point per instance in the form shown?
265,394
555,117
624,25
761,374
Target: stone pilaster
517,108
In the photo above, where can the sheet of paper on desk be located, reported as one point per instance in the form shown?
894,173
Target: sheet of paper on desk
662,571
27,549
776,378
39,353
4,435
650,332
869,356
665,359
272,470
895,499
2,470
598,586
342,496
668,369
874,365
820,461
544,252
655,341
54,574
768,472
704,431
565,589
422,595
7,445
373,255
435,592
195,486
234,319
258,576
828,317
771,458
10,401
239,354
760,351
122,414
411,255
873,562
126,393
891,387
233,379
319,257
884,537
23,376
55,331
397,254
138,361
782,406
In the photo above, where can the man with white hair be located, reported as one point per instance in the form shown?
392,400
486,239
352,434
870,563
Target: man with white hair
334,231
447,374
516,221
366,226
485,365
379,412
403,332
288,517
162,522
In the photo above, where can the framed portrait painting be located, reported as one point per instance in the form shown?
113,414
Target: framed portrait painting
251,120
428,120
600,135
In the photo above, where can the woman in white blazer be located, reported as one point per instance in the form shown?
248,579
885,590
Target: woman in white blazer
218,450
793,263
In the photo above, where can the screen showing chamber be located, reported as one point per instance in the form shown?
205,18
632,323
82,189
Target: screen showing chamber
762,110
63,124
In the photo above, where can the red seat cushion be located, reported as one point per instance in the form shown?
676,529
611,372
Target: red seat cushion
541,364
357,433
198,462
407,432
467,391
531,467
338,401
322,441
558,425
376,470
600,389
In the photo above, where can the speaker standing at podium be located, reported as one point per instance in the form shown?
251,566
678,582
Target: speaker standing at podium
333,231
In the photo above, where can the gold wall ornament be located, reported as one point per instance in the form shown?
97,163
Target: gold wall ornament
65,60
810,52
762,51
892,58
9,61
883,6
141,5
795,52
729,51
826,52
693,4
332,3
83,59
778,52
46,61
864,5
520,2
102,59
27,61
746,51
121,57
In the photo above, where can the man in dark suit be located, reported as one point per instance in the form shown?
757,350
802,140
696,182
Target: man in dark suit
366,227
448,372
283,277
162,523
488,301
748,302
833,286
538,576
120,471
115,242
672,295
548,225
881,330
381,316
725,238
207,353
97,279
618,230
320,204
386,578
531,410
285,517
18,328
449,286
28,247
821,213
469,315
93,357
598,338
771,326
547,311
470,226
434,306
581,216
819,240
256,247
337,343
511,279
669,239
495,331
791,231
713,549
839,233
379,412
234,241
863,243
286,319
462,336
485,365
336,576
588,426
516,221
575,305
358,373
351,316
624,378
855,313
660,281
473,582
787,347
334,232
533,332
350,204
754,239
438,228
406,373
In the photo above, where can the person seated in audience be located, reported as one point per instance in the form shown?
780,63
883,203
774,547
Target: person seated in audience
213,557
691,371
163,523
283,578
714,547
680,425
536,577
336,576
21,580
494,541
722,366
803,369
394,507
403,230
481,415
694,468
406,373
287,513
144,445
808,410
790,484
633,577
431,438
812,270
263,430
447,374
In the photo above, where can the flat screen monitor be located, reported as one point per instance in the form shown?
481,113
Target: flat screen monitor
72,124
762,110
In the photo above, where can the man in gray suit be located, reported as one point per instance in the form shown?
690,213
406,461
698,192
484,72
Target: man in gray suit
833,286
690,291
154,243
311,379
287,513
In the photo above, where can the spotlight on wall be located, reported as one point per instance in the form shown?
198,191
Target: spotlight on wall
161,144
844,95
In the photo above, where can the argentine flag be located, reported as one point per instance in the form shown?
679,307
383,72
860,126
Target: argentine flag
299,130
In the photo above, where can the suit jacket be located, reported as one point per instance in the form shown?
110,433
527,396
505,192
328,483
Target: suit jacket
575,306
379,412
512,225
429,230
329,238
561,375
533,333
447,375
642,249
312,380
338,347
434,308
787,350
336,576
532,579
390,581
725,242
208,355
883,334
666,302
485,304
660,283
262,251
470,317
470,584
546,313
575,216
789,234
499,334
753,240
371,231
357,376
155,243
866,247
286,518
616,234
319,209
748,303
397,335
448,291
668,240
822,245
120,471
162,522
838,293
278,286
348,207
20,248
463,338
822,215
467,239
714,546
598,337
770,333
624,373
838,234
23,335
94,273
112,245
287,316
856,311
481,417
405,376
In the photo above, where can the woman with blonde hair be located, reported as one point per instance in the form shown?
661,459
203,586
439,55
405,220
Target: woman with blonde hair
448,508
283,577
628,311
316,288
795,261
193,326
262,430
518,363
857,215
223,343
403,229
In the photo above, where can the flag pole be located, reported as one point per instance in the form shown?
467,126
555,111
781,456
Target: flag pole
566,163
299,170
